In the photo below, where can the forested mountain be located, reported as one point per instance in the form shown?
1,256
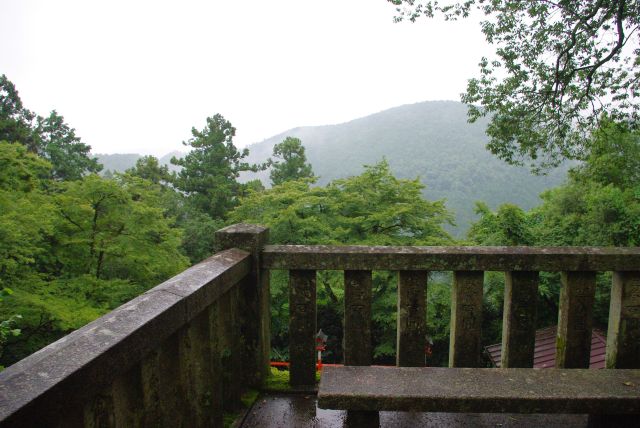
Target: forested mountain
431,140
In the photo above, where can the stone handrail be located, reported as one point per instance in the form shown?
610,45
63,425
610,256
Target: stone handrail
158,359
358,257
521,265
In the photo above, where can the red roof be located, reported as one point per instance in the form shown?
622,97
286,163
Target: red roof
545,350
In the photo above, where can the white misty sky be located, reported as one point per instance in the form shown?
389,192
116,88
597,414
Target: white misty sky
135,76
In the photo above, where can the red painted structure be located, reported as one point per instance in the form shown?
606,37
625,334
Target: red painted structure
545,349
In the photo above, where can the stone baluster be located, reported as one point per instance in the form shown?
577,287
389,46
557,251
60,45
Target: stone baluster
302,327
519,319
412,318
465,346
575,320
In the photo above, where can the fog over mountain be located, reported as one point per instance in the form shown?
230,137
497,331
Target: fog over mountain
119,162
431,140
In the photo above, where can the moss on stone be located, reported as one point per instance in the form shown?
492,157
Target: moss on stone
247,399
278,380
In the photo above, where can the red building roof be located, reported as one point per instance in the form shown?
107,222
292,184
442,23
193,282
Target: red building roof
545,350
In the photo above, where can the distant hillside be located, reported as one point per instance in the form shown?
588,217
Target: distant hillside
431,140
119,162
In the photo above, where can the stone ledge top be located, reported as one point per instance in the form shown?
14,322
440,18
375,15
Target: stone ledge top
431,389
243,228
354,257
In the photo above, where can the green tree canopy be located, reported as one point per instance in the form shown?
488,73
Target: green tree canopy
600,204
290,162
149,168
25,212
614,157
559,67
373,208
49,137
210,170
21,170
15,120
508,226
58,143
116,229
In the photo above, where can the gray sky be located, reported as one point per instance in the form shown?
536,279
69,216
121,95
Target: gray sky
135,76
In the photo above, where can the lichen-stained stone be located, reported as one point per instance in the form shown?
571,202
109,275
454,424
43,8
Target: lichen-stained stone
519,319
62,377
230,355
357,318
204,283
255,299
555,259
575,320
163,395
412,318
465,346
623,337
302,327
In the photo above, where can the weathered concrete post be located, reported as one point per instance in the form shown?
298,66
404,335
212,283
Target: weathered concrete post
256,320
302,327
465,346
519,319
412,318
357,334
575,320
623,338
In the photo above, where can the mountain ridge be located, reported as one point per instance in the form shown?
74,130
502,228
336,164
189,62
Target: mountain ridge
431,140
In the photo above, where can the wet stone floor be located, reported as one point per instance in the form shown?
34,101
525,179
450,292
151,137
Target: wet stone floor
299,410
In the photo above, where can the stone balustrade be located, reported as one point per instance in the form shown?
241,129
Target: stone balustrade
179,354
521,265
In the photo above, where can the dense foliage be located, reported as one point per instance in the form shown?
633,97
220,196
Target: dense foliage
373,208
598,206
209,170
73,250
289,162
559,67
74,245
49,137
431,140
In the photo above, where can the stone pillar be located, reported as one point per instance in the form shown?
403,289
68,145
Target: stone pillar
255,299
357,318
575,320
412,318
357,334
623,337
465,346
519,319
302,327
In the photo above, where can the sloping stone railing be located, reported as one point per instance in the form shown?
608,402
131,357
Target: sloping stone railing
175,356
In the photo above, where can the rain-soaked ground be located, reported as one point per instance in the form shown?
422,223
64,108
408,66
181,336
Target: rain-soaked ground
299,410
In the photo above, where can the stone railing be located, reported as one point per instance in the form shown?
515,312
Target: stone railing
521,265
178,355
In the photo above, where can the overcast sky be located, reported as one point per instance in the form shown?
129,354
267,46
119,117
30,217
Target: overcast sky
135,76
